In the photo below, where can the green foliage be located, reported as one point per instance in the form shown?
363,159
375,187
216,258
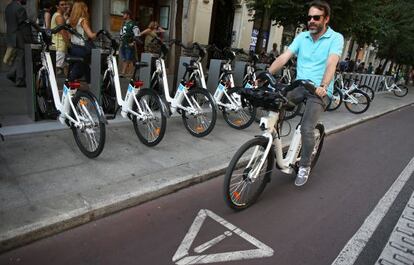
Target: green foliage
388,24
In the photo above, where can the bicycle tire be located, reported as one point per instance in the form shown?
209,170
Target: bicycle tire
319,139
368,90
336,100
88,99
361,97
202,126
403,89
244,117
148,132
232,196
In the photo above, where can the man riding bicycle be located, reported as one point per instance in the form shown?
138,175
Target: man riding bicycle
318,52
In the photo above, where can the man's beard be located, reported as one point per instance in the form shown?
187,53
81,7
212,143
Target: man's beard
318,29
23,2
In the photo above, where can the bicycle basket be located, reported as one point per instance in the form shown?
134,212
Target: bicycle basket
264,97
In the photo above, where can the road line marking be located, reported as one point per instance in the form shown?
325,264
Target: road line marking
356,244
212,242
182,257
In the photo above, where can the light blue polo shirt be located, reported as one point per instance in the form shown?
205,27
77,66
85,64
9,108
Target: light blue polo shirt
313,56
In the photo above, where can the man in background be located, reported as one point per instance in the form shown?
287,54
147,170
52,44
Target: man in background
18,33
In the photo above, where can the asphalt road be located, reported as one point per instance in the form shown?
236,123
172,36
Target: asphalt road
307,225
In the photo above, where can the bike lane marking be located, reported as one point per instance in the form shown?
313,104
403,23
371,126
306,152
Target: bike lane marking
356,244
181,257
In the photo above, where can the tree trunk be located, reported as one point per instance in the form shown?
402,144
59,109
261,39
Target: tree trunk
264,27
178,36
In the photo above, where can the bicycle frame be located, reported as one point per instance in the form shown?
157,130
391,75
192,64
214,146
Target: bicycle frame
180,94
273,136
65,104
222,90
130,97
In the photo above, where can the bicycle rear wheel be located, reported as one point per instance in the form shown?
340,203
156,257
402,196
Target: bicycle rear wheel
400,90
203,117
241,118
357,101
151,129
90,137
241,186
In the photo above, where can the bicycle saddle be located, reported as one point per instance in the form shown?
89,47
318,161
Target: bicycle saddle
74,60
190,67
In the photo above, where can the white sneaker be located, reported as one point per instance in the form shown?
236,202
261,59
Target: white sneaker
302,176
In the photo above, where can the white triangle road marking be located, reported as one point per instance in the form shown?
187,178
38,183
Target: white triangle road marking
182,257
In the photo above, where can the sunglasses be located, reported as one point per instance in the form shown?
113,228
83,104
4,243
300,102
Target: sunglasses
315,18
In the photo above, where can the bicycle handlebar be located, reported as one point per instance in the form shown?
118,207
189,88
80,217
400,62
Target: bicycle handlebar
307,84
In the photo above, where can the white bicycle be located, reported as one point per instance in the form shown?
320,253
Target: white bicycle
141,105
398,90
78,109
227,96
250,169
195,104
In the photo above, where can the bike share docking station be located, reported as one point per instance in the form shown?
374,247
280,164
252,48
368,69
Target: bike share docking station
32,65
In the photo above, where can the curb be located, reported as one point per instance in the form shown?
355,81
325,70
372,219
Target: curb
66,221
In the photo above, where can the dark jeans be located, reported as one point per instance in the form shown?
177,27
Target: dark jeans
18,68
314,107
77,70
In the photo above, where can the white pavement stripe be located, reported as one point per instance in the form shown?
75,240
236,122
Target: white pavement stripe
356,244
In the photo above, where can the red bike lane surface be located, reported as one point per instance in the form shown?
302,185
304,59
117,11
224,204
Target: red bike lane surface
308,225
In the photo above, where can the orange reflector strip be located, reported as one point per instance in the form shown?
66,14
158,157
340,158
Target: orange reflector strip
157,131
199,128
238,122
83,102
236,195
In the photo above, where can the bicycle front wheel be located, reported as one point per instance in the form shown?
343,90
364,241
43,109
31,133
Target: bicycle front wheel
90,135
336,100
245,180
357,101
150,128
241,118
200,113
400,90
368,90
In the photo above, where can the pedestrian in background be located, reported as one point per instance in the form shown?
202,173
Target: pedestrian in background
60,40
79,20
274,51
45,14
18,34
370,68
153,31
129,34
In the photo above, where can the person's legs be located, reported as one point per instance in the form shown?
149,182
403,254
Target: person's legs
60,62
129,57
313,110
16,73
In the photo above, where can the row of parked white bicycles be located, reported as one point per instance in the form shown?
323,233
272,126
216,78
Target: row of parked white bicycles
149,106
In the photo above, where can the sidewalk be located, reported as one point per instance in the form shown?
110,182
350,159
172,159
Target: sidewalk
47,185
